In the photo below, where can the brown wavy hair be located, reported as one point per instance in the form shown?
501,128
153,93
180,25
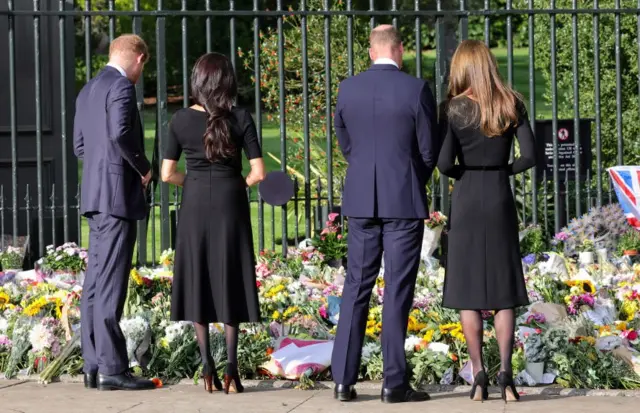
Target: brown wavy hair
214,87
474,74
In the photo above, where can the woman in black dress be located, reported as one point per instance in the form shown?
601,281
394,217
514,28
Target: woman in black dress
214,271
484,268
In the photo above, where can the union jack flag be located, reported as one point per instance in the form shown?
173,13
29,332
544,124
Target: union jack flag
626,182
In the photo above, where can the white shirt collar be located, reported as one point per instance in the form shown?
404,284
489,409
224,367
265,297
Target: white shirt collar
118,68
385,61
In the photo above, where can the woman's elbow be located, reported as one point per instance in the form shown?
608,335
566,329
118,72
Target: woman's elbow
260,175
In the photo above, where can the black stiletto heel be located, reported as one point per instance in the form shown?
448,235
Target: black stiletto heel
479,390
232,381
507,387
210,378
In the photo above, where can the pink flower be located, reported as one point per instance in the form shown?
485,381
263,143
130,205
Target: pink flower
325,231
322,311
339,236
332,216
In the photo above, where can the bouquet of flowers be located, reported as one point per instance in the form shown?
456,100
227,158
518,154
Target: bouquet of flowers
12,259
138,336
63,266
432,230
331,243
45,338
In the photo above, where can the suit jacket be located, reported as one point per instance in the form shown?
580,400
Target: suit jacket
108,137
385,122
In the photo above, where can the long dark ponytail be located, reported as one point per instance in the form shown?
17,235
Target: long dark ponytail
213,86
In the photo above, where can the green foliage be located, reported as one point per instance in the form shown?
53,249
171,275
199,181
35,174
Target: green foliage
630,240
586,77
330,242
429,366
534,241
252,351
317,94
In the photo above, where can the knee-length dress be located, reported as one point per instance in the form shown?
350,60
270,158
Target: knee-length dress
214,269
483,265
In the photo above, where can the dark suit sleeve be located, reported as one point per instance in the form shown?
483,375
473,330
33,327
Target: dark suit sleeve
341,129
427,128
527,158
121,112
250,143
78,138
449,151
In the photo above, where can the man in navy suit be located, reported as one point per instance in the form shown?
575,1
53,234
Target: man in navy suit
385,121
108,137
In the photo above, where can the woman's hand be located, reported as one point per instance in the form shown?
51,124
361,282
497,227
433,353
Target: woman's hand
257,173
169,173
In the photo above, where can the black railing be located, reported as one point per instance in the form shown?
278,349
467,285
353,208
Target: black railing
538,45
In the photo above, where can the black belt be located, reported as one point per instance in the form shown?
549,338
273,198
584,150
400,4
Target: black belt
485,168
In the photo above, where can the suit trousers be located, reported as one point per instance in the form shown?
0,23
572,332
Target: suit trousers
401,241
111,244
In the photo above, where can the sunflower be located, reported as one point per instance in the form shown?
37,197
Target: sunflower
4,299
585,286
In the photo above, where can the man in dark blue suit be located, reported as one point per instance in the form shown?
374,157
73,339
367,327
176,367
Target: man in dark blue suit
385,121
108,137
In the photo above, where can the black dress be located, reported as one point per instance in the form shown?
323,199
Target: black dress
214,270
483,266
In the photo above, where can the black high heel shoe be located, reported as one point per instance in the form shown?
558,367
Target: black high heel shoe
232,381
210,378
507,387
479,390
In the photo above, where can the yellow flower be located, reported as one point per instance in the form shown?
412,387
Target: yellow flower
629,309
414,326
583,286
290,312
454,330
434,316
4,299
35,307
621,325
135,275
276,315
380,282
428,336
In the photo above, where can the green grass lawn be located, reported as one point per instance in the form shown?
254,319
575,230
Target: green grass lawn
271,143
520,75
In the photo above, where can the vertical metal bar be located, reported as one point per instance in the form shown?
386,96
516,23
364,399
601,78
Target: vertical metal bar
567,206
283,124
418,30
463,22
554,120
273,227
512,178
62,39
27,199
38,103
185,57
394,7
618,85
349,39
232,35
296,216
258,108
576,106
372,20
162,123
305,119
112,21
208,27
87,40
545,199
52,198
142,225
532,110
13,119
328,105
596,70
487,23
79,217
440,88
152,218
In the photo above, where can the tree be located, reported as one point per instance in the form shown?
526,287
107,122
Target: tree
587,75
293,111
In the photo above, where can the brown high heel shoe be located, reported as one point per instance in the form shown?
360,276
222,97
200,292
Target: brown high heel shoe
210,378
232,381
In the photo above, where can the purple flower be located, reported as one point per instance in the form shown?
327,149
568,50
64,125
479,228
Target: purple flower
561,236
529,259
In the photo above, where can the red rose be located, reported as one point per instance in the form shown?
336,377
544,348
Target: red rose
632,335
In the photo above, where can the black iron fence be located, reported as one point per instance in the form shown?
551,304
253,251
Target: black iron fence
576,63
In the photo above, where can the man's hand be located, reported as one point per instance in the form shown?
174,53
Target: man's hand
146,179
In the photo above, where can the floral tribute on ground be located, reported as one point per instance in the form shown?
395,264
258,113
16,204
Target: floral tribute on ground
581,330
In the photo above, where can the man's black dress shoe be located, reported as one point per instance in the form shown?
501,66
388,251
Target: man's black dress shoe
344,393
90,381
125,381
402,395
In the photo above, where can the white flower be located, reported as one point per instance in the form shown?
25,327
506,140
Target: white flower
41,338
70,252
178,330
4,325
411,342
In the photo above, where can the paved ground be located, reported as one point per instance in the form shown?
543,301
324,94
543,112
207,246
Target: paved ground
28,397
